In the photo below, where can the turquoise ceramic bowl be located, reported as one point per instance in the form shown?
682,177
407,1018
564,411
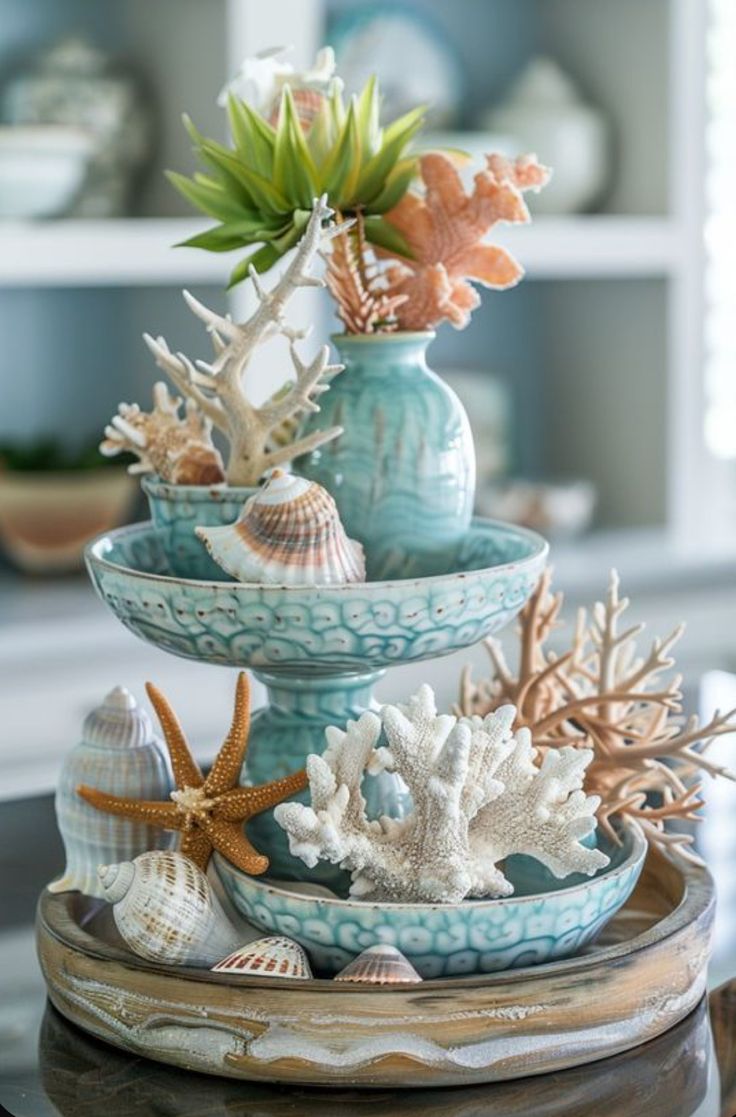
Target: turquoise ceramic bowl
543,921
319,629
177,509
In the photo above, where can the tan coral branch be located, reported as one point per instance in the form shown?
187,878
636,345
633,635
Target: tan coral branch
601,695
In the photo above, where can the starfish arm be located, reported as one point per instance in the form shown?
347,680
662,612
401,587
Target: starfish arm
197,846
225,771
229,840
165,815
244,802
185,768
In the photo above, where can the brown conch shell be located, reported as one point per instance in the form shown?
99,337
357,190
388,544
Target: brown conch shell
379,965
289,533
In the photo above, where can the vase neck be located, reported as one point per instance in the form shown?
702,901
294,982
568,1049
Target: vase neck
379,353
333,698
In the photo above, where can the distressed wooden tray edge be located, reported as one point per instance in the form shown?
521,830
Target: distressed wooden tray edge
452,1031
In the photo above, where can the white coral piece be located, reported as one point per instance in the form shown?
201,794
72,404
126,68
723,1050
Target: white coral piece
478,797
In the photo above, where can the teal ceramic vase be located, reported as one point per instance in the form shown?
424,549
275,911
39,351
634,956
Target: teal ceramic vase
403,470
177,509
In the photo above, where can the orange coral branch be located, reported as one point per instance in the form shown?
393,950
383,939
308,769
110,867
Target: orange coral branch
445,232
363,304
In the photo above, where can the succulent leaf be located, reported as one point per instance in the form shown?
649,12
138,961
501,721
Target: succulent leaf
257,188
294,172
254,137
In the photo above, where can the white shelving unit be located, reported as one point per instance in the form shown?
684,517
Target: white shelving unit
138,251
631,272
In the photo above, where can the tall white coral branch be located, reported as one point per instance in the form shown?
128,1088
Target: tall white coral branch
218,387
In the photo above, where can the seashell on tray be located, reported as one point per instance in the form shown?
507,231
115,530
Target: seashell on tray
118,753
379,965
166,911
289,533
272,956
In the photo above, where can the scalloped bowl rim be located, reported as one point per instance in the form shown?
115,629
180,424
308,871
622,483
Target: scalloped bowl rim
95,558
634,858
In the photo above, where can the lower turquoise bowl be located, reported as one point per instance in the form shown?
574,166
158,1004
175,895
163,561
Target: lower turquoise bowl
544,920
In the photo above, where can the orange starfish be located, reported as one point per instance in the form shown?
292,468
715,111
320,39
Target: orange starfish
209,812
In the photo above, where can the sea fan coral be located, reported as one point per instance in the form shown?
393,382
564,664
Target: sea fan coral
445,229
478,796
602,695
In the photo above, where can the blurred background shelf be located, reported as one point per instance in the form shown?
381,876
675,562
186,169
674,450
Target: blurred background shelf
138,251
123,252
596,246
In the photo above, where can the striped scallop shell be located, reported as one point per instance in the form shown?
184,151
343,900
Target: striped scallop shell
166,911
289,533
118,753
379,965
273,956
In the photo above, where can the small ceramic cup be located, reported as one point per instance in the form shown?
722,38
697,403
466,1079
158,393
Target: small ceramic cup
177,509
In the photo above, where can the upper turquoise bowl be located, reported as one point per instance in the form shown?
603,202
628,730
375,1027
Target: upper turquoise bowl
319,629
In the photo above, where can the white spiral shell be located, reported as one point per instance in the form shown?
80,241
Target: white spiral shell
120,754
289,533
166,911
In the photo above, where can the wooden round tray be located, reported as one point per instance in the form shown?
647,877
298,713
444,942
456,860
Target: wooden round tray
646,972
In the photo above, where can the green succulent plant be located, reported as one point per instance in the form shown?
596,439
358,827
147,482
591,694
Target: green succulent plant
262,189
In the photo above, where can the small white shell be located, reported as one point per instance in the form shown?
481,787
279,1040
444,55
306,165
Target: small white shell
379,965
273,956
120,754
289,533
165,910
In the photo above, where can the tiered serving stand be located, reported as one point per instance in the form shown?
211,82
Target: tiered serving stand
319,651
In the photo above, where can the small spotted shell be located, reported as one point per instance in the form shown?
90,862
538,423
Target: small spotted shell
379,965
289,533
165,910
273,956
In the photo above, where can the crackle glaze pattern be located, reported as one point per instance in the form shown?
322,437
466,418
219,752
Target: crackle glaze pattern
442,940
319,629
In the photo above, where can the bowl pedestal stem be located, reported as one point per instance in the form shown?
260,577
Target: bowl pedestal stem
282,736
